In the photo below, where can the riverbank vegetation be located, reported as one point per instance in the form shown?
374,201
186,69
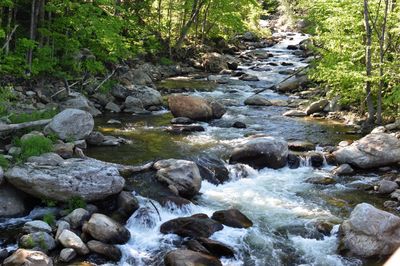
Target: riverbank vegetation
358,52
73,38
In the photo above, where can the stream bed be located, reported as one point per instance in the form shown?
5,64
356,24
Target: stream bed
283,207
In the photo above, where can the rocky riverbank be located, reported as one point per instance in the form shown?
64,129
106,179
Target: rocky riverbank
185,203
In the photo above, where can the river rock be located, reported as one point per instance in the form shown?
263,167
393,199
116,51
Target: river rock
387,186
292,84
194,226
65,150
213,169
295,113
77,217
183,257
113,107
182,175
71,124
106,230
232,218
372,151
316,159
182,121
127,204
108,251
146,95
214,62
257,100
46,159
88,179
261,152
133,105
195,108
12,202
239,124
36,226
248,77
293,161
299,145
67,254
370,232
70,240
343,169
82,103
321,180
317,106
29,258
61,226
216,248
38,241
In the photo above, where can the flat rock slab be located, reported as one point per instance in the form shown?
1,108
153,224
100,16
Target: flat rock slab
86,178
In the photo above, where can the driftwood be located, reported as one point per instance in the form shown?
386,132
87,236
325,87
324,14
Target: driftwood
13,127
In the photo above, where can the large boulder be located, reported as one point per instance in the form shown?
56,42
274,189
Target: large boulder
370,232
184,257
71,124
232,218
198,225
28,258
106,230
88,179
195,108
215,62
261,152
146,96
82,103
374,150
12,202
181,176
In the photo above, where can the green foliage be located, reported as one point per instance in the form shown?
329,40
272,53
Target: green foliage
3,162
165,61
6,96
30,243
76,203
49,218
34,146
49,202
33,116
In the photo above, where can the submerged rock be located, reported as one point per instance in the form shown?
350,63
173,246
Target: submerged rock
183,257
195,108
372,151
194,226
71,124
105,229
180,175
28,257
88,179
232,218
370,232
257,100
261,152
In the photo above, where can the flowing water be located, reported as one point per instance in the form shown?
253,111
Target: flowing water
283,207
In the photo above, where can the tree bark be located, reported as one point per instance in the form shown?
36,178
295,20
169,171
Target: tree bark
368,65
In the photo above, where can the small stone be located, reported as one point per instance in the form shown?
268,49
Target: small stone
182,121
387,187
321,180
257,100
395,195
77,217
67,254
238,124
70,240
109,251
295,113
113,107
391,204
62,225
343,169
114,122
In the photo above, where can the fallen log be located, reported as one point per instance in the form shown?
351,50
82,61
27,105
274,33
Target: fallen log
13,127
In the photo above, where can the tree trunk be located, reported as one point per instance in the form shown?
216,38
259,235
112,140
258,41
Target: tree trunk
368,65
32,33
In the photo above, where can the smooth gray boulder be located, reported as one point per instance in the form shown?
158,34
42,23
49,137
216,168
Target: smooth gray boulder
257,100
370,232
38,241
180,176
106,230
67,254
372,151
36,226
71,124
70,240
77,217
260,152
317,106
88,179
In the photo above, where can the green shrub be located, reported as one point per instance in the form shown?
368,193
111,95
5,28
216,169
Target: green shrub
49,218
3,162
76,203
165,61
34,146
49,202
34,116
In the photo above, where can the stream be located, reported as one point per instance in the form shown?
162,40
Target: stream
283,207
